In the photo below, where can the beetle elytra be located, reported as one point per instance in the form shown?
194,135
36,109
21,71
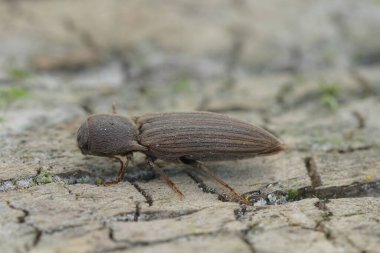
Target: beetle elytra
184,137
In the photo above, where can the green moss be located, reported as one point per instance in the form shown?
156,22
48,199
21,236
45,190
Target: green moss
19,74
359,138
10,94
197,230
326,215
2,120
331,89
99,181
329,95
44,178
247,198
330,102
292,194
337,141
182,85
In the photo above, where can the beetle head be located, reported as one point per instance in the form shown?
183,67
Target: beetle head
107,135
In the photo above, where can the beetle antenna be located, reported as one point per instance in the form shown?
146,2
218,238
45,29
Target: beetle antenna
114,108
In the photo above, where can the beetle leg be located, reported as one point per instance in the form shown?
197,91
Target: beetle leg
123,169
172,185
198,165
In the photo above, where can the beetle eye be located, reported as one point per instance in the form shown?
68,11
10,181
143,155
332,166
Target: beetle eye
82,138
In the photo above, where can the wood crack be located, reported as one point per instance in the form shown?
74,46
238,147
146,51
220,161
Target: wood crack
356,189
146,195
20,219
321,224
312,171
245,239
350,149
137,212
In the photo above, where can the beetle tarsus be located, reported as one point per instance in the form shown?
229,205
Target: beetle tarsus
198,165
172,185
121,173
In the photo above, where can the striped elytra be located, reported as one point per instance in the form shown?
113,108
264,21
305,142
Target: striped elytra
203,136
187,137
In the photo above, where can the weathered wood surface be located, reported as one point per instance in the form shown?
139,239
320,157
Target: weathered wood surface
50,200
323,195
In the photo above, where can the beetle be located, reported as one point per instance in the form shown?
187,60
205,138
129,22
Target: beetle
181,137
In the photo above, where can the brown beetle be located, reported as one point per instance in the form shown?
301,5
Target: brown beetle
185,137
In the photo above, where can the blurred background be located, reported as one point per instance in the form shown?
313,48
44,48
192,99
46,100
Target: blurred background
64,59
306,70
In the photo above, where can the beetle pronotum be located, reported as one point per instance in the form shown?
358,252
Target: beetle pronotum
185,137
